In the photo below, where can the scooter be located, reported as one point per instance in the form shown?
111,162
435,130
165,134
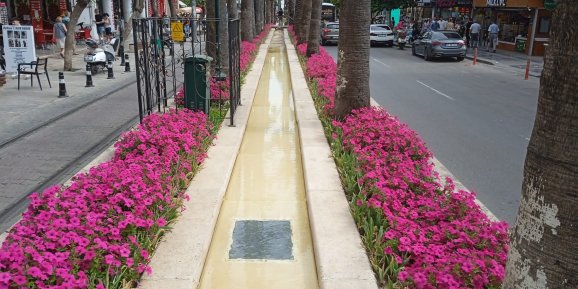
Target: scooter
97,56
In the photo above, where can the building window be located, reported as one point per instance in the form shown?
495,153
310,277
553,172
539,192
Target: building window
544,25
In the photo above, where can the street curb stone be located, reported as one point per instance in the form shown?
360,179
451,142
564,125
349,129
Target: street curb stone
340,257
180,257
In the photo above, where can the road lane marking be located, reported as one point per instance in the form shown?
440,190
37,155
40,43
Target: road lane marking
384,64
436,91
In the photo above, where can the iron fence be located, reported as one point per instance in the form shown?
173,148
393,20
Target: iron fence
162,45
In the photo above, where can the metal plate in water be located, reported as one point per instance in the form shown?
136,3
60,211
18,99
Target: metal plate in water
262,240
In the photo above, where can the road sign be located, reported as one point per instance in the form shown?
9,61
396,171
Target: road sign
177,32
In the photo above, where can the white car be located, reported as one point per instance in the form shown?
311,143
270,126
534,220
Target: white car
381,34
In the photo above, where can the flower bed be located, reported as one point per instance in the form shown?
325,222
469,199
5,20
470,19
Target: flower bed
418,232
100,231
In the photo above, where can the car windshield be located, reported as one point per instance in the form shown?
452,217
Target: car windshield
446,35
385,27
377,28
333,26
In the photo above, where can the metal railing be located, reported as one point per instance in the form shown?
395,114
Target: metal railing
160,61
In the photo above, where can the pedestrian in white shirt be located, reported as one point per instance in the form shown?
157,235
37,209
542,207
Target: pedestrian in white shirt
493,32
475,30
443,24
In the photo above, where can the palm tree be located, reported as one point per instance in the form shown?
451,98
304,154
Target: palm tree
314,28
297,16
304,21
259,15
290,10
544,245
353,57
69,40
247,20
222,44
232,8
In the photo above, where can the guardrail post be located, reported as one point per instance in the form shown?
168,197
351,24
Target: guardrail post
61,86
88,76
126,63
110,71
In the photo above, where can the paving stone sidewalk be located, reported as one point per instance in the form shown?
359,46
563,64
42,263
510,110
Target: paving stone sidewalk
509,60
24,109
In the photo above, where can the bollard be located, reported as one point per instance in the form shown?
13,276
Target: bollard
126,64
61,86
110,72
527,69
121,53
88,76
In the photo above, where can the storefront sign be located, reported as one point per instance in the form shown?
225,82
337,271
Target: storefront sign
446,3
550,4
18,46
3,13
465,3
496,3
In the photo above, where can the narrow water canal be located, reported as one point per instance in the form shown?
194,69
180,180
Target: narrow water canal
262,238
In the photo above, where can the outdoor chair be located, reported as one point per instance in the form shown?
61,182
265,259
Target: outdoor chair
36,68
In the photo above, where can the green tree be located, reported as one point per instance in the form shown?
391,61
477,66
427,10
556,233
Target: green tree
544,243
69,40
353,57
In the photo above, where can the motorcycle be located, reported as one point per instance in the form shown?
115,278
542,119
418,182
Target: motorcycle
98,56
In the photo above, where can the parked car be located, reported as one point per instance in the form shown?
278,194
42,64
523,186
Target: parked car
329,33
380,35
440,44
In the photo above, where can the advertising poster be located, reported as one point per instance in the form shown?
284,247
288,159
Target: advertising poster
18,46
3,13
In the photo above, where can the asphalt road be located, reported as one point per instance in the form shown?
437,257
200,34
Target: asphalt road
477,120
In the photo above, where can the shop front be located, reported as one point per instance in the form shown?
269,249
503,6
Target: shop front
456,9
515,18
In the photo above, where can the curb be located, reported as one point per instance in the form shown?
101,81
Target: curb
340,258
480,60
181,254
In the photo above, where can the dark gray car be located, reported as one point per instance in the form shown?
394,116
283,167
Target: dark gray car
329,33
434,44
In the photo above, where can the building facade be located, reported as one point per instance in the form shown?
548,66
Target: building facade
515,19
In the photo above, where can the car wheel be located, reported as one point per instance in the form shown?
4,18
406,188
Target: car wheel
460,59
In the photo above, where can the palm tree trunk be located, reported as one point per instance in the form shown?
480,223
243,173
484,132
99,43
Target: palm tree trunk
172,7
290,10
137,8
314,28
247,20
304,21
353,57
224,35
297,16
259,15
232,9
69,40
211,45
544,245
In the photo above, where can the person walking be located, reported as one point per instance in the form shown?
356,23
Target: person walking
475,30
59,31
443,24
493,31
98,20
435,25
451,25
107,26
467,32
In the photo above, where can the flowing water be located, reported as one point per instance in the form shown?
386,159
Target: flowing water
262,238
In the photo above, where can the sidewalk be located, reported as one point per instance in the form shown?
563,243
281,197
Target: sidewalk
29,107
515,61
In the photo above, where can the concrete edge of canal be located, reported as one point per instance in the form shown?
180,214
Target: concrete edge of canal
179,259
340,257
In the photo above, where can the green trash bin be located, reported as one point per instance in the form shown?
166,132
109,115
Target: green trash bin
521,45
197,82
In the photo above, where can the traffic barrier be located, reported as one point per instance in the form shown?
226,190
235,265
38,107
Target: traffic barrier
122,55
126,64
110,71
88,76
61,86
